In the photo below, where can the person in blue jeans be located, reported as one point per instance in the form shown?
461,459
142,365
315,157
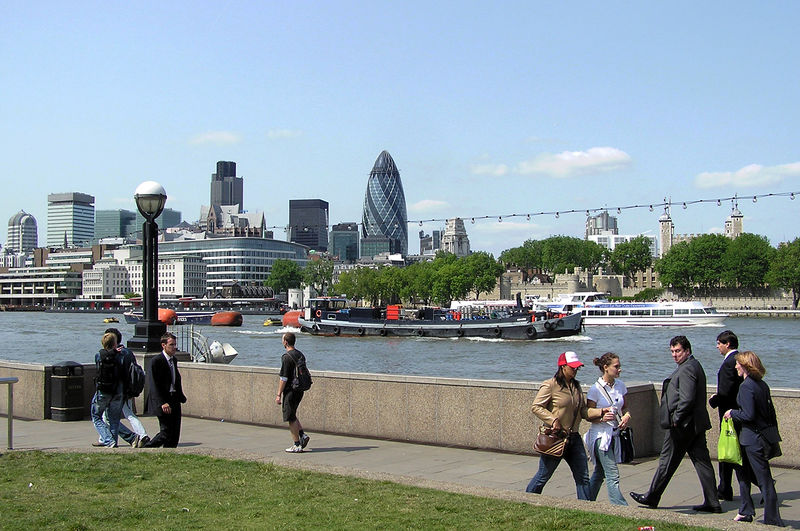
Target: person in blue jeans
602,439
109,395
561,404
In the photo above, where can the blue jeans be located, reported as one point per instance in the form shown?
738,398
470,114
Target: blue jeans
129,435
575,456
606,468
111,404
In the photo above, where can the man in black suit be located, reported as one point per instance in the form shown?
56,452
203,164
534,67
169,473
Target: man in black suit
683,414
166,394
728,382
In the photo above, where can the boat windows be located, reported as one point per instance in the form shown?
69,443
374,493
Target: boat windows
601,313
662,312
617,312
640,312
681,311
698,311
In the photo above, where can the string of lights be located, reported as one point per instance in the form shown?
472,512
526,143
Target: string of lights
666,203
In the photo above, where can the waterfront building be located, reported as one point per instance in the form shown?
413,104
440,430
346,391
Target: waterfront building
610,240
308,223
39,286
106,280
178,276
600,224
455,239
70,219
385,214
226,188
23,233
344,242
734,227
115,224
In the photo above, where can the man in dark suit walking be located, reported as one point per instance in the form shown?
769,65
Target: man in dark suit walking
166,394
683,414
728,382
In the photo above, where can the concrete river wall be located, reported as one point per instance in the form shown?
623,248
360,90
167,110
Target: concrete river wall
486,414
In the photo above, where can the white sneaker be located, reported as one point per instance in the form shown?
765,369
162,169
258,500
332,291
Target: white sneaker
135,442
304,441
295,449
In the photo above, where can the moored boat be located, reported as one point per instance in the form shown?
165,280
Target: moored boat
332,317
167,316
227,319
110,320
598,310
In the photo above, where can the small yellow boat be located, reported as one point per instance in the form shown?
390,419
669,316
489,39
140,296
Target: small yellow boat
110,320
269,322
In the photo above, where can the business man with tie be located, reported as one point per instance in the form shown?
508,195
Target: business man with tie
728,382
166,394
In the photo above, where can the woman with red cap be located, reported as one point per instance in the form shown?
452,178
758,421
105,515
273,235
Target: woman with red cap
561,404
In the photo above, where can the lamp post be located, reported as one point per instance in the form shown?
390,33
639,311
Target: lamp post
150,199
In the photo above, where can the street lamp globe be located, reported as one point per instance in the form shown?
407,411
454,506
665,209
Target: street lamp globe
150,199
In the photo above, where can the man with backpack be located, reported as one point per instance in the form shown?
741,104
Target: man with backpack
133,379
108,397
294,381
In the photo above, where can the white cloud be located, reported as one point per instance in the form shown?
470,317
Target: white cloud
750,175
216,137
283,133
428,205
573,163
496,170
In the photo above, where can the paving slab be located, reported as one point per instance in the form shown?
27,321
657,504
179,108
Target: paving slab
478,472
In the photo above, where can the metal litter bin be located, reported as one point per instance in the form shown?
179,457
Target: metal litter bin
66,391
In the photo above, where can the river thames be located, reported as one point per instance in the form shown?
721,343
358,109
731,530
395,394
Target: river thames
46,338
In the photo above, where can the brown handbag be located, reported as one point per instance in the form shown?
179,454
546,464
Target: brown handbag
551,441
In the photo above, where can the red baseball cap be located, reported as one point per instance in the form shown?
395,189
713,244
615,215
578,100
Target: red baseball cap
569,358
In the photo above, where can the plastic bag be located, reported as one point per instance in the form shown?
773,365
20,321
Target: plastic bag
728,449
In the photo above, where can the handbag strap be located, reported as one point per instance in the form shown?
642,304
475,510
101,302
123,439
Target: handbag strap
601,384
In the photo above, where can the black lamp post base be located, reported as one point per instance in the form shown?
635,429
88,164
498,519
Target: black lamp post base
147,336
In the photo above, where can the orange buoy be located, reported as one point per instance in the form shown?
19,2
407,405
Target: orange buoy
226,319
167,316
291,317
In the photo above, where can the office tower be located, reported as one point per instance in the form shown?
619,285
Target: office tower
226,187
115,224
344,242
70,219
308,223
430,243
602,223
23,233
455,239
168,218
385,214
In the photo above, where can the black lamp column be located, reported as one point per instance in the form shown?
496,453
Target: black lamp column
150,199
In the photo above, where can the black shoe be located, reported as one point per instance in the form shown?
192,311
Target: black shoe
725,495
643,500
707,508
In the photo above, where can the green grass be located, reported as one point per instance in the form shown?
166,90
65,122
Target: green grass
173,491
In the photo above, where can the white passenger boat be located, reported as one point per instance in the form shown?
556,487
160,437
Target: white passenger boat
598,310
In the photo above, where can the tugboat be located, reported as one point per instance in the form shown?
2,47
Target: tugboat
332,317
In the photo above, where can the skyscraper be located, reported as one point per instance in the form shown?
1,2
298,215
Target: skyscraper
70,219
308,223
385,214
114,224
226,187
344,242
23,233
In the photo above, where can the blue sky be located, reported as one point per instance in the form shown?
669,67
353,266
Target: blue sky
488,109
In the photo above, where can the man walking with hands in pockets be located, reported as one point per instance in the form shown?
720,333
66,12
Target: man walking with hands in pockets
290,398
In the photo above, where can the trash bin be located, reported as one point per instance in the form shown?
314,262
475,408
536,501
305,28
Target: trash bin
66,391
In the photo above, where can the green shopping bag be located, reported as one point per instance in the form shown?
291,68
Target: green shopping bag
728,449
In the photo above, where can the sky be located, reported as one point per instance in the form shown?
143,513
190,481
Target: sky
488,108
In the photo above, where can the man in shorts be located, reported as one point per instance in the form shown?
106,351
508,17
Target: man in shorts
289,398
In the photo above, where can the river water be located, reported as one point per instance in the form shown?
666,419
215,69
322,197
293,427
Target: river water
47,338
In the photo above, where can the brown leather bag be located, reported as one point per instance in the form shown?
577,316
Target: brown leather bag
551,441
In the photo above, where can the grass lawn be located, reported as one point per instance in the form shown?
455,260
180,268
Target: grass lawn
151,490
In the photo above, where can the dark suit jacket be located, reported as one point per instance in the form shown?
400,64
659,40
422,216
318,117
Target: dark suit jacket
159,378
683,398
754,412
728,382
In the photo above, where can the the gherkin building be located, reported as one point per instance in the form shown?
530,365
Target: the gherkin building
385,214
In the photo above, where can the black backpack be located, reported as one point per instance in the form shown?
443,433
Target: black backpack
136,378
302,378
107,377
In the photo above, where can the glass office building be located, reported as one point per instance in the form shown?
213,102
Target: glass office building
308,223
114,224
23,233
385,214
344,242
70,219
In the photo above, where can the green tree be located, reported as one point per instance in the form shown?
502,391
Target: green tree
526,257
629,257
284,274
675,270
318,274
784,272
483,270
706,260
746,262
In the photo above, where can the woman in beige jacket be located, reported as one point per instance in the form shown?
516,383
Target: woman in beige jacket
560,403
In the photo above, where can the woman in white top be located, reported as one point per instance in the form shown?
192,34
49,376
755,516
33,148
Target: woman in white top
602,439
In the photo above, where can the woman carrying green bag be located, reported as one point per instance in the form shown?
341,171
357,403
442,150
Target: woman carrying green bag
758,437
728,449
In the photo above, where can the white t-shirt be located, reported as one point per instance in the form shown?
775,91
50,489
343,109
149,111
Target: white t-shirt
604,430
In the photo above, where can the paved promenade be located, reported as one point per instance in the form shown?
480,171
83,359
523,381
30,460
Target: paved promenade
482,473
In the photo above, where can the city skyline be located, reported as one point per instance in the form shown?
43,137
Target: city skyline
488,110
